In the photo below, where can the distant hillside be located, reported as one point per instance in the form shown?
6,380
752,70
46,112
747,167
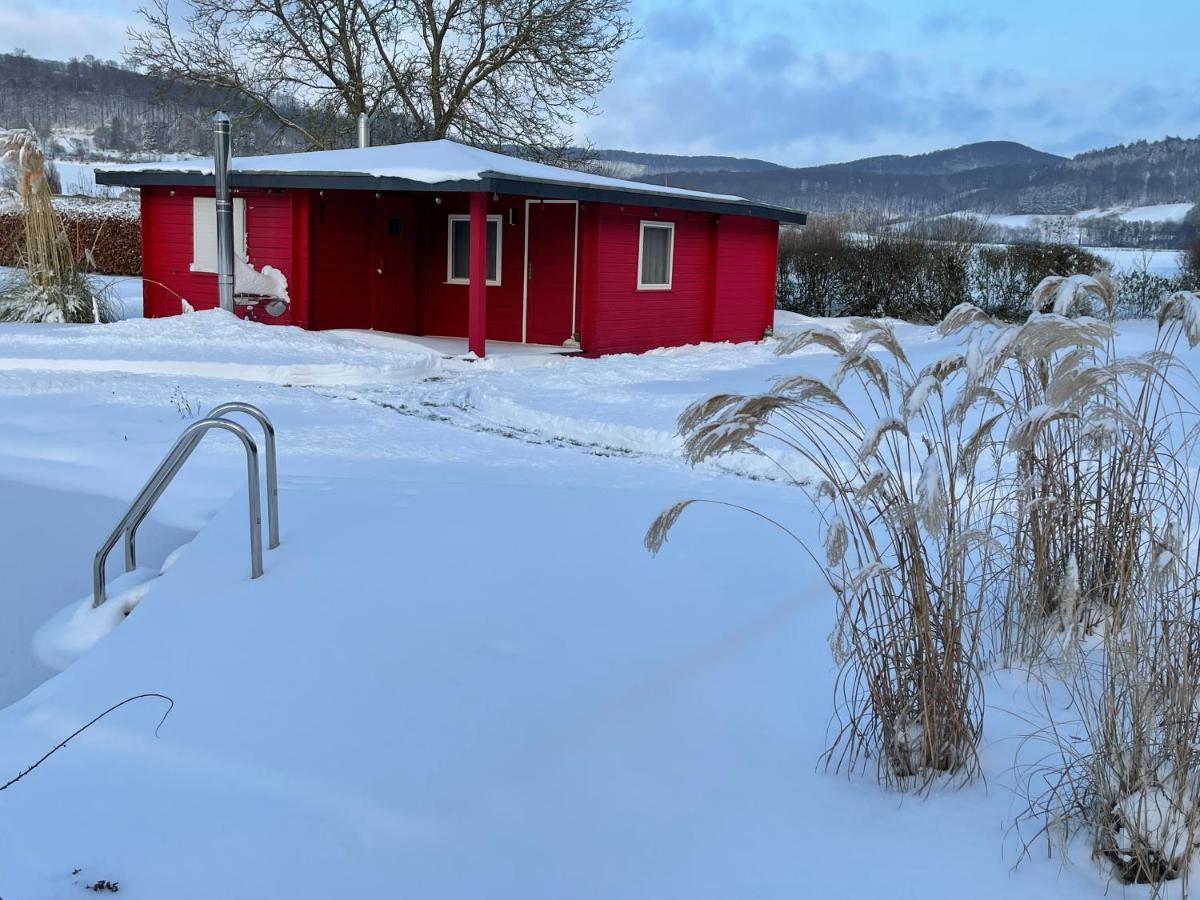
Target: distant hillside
982,155
89,108
630,164
996,177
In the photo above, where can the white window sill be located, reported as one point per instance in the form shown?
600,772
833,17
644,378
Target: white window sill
467,282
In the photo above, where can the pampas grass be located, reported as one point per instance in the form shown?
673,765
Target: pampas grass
1125,769
1070,490
1028,499
50,286
905,545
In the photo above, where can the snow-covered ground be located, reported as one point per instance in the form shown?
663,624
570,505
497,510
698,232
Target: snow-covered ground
123,291
79,180
1166,263
461,675
1159,212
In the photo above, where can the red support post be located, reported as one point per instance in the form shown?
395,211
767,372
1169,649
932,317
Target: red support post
477,300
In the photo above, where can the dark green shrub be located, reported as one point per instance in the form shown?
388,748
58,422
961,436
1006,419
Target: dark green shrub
1191,264
1003,278
1140,292
824,271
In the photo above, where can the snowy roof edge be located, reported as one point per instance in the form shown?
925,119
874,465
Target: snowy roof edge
457,179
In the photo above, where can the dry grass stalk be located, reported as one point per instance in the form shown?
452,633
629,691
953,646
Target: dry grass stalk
52,288
1033,497
1127,770
905,545
1008,501
1092,443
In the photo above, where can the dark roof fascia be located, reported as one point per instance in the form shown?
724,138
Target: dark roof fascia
499,184
650,197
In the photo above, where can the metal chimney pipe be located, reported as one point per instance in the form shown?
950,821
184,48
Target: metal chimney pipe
224,207
364,130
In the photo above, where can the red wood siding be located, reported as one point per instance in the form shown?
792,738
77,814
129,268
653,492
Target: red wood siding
167,249
744,286
722,285
444,310
346,269
618,318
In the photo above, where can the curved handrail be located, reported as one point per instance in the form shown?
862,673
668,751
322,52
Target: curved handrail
175,458
167,476
272,473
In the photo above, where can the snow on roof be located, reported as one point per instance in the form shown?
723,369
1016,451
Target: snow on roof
429,162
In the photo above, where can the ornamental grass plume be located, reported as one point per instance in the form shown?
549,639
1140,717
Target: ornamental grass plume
50,286
1006,504
903,544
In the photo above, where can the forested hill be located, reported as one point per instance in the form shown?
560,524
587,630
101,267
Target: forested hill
1018,181
94,108
980,155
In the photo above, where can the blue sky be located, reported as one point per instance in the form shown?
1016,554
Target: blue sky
812,81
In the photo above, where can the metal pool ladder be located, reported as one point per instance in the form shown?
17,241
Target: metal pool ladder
169,468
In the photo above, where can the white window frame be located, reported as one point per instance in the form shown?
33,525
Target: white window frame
670,228
450,220
204,232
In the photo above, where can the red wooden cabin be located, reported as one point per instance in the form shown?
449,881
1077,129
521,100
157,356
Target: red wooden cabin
438,238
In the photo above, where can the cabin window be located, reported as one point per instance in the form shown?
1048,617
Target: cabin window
656,251
204,232
458,250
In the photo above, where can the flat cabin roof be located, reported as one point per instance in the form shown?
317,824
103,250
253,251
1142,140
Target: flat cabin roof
443,166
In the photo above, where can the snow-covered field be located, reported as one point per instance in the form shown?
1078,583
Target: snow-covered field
1158,212
79,180
461,675
1165,263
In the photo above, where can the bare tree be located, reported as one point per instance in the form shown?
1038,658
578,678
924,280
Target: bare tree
487,72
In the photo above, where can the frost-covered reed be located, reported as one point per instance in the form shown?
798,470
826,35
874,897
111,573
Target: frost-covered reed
906,542
1124,765
1087,438
50,287
1029,498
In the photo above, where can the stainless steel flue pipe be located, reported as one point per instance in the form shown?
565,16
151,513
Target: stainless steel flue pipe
224,207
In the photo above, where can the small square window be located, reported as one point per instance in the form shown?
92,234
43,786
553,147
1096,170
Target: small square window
458,250
656,252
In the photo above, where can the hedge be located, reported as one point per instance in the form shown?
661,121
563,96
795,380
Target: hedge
105,235
825,271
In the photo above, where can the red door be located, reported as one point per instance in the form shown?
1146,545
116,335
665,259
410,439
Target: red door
550,273
395,272
342,267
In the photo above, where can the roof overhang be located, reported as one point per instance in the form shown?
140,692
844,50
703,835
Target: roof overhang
497,183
